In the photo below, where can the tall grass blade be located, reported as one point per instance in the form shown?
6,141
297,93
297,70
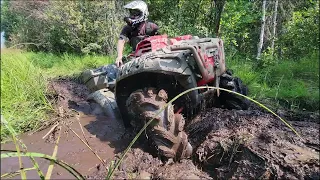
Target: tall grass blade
12,131
263,106
64,165
13,134
110,174
83,134
34,162
54,154
13,174
110,167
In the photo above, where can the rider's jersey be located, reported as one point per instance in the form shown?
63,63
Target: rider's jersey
135,34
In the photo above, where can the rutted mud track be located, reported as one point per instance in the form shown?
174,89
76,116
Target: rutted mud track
227,144
237,145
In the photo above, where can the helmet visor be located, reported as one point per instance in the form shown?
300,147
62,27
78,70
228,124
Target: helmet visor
134,12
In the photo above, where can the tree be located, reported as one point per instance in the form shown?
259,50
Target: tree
263,20
64,26
274,24
300,34
290,27
21,21
219,5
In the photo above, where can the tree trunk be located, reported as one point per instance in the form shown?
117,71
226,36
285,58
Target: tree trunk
210,19
274,25
219,5
263,21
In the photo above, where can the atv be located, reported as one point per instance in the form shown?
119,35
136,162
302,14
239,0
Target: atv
160,69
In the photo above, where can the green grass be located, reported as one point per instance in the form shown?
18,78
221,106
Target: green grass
66,64
23,88
24,78
291,84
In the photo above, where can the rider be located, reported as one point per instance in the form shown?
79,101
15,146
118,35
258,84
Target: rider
137,27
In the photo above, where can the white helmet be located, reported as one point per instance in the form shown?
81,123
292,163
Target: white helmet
138,12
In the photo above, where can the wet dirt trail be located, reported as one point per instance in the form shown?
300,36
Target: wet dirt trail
103,132
228,144
233,144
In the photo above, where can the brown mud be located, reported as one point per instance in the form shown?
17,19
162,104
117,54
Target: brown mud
232,144
252,144
228,144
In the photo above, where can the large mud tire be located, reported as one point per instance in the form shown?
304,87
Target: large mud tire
230,100
166,130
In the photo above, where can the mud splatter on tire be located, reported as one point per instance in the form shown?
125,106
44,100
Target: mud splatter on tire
230,100
166,131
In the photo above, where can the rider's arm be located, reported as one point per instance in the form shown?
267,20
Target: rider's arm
155,29
120,47
122,40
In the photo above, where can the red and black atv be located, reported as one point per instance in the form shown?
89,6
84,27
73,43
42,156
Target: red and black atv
162,68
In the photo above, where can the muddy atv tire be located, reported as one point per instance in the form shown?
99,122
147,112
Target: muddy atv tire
229,100
166,131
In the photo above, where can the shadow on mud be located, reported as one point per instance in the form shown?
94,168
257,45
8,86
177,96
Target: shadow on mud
101,122
107,127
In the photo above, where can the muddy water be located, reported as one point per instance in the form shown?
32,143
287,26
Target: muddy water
103,132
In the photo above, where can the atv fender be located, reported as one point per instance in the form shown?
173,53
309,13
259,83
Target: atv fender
172,63
161,62
144,69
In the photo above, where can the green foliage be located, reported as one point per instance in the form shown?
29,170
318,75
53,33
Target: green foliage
93,27
180,17
24,23
9,21
63,26
301,34
239,23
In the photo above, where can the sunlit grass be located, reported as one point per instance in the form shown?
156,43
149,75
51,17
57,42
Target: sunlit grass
24,80
66,64
287,83
23,89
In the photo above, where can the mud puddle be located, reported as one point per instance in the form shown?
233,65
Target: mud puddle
103,132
